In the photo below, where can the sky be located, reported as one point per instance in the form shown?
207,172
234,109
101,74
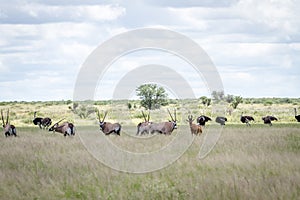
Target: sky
254,44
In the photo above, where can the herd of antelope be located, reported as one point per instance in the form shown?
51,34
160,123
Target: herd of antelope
146,127
160,127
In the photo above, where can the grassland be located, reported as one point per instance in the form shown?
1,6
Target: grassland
257,162
21,113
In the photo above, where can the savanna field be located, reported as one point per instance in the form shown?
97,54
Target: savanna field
257,162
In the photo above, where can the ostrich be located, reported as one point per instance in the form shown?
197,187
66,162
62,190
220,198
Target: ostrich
297,117
221,120
42,122
37,120
269,119
246,119
201,120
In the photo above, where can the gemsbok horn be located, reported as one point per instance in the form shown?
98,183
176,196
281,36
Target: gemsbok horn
164,127
107,127
9,129
143,127
65,128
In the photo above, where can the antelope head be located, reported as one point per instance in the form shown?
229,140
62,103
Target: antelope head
52,128
101,122
190,119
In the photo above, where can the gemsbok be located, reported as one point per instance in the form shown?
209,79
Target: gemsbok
9,129
42,122
65,128
164,127
107,127
195,128
143,127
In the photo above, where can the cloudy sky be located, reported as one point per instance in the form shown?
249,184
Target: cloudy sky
255,45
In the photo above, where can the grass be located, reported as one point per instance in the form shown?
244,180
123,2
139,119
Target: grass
258,162
21,113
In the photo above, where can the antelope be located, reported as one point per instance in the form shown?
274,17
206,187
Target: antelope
164,127
9,129
65,128
195,129
42,122
107,127
143,127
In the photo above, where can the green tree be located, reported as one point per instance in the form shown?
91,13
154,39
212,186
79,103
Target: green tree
236,101
129,105
152,96
205,101
83,111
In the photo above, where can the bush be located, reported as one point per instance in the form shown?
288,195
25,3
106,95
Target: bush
129,105
268,103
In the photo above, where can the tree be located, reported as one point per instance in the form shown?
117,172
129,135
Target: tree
236,101
205,101
152,96
129,105
217,95
82,110
229,98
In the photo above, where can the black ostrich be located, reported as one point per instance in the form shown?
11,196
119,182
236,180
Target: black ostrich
221,120
201,120
269,119
37,120
42,122
246,119
297,117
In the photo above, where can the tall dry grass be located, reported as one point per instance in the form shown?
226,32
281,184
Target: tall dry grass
258,162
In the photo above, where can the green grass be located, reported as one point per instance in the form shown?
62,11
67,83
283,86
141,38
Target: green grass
258,162
21,113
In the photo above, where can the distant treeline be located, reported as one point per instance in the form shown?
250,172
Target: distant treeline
263,100
270,101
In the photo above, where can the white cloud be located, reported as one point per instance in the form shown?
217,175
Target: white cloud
71,12
3,68
190,16
276,14
247,40
44,87
53,44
